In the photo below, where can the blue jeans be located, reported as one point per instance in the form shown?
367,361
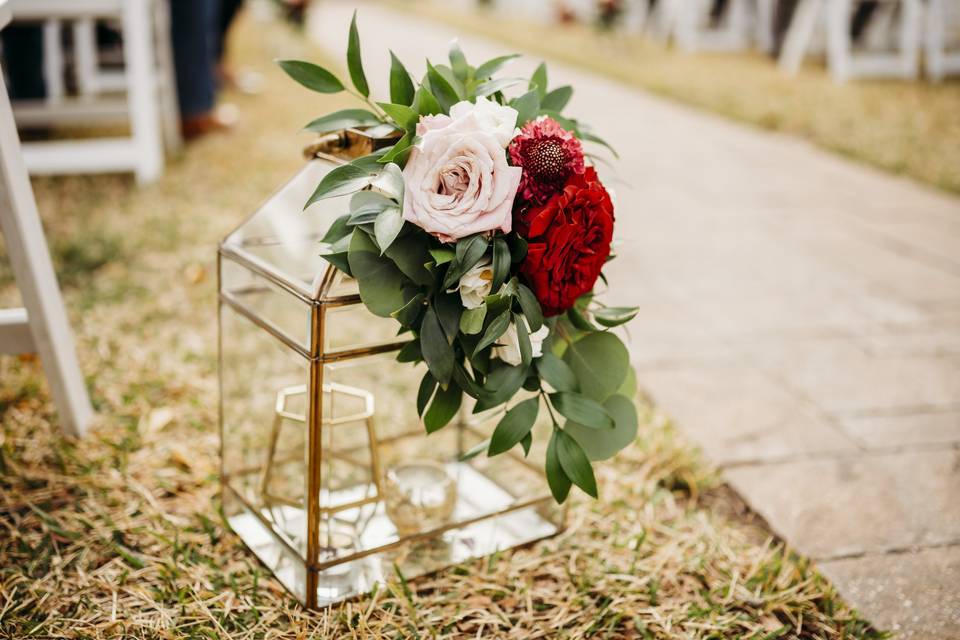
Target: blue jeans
194,29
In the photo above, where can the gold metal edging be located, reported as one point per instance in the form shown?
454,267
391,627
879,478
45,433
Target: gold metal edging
314,450
264,269
266,325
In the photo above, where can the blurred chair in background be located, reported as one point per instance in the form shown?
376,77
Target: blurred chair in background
146,100
41,325
942,32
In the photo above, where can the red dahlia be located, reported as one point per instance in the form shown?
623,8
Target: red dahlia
568,242
549,155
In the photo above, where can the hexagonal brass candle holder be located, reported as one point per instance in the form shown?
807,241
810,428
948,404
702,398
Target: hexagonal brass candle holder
314,409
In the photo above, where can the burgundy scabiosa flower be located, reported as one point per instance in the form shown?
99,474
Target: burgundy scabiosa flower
549,155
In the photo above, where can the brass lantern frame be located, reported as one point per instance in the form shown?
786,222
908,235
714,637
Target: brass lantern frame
320,297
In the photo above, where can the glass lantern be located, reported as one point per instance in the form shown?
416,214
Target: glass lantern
328,474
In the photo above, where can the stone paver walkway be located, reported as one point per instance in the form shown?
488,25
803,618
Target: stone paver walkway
800,319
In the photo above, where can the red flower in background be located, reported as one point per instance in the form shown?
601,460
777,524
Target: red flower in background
568,242
549,155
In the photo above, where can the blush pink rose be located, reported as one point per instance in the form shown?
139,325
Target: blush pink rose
457,181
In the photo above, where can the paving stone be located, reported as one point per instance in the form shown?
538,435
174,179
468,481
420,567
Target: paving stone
740,415
867,504
873,432
915,594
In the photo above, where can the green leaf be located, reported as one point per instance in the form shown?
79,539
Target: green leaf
474,451
337,231
531,307
363,199
514,426
436,350
501,263
557,373
526,443
468,254
407,314
538,80
601,363
494,330
427,386
518,247
410,352
581,409
404,116
399,151
343,119
579,320
401,86
389,180
557,99
442,255
471,322
629,387
426,103
523,339
458,62
448,308
600,444
311,76
586,135
446,403
379,280
387,227
407,252
493,65
556,478
445,94
527,106
341,180
466,382
614,316
575,464
497,84
502,383
354,61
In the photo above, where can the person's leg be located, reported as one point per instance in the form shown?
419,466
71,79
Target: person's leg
782,15
193,55
861,18
228,11
23,61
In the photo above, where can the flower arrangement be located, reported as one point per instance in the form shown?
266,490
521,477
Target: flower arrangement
483,230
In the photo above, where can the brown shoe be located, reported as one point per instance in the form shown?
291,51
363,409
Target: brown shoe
223,118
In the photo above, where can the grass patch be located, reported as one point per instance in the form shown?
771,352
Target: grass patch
908,128
118,535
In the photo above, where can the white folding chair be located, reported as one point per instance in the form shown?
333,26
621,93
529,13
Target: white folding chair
694,29
942,18
149,105
41,325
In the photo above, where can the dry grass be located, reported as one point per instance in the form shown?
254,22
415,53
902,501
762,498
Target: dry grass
119,535
909,128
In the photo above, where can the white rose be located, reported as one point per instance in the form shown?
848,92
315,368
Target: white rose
508,345
457,180
475,284
496,118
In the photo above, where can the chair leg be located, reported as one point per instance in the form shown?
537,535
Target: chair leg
142,86
169,107
33,271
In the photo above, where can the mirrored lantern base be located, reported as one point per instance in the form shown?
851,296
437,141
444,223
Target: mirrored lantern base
360,547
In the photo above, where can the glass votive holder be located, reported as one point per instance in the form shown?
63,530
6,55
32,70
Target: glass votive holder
419,496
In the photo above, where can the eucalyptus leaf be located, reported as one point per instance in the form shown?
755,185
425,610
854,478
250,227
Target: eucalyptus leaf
600,362
390,181
442,255
379,280
399,151
428,384
401,85
354,60
338,230
497,84
407,253
387,227
556,478
471,322
369,198
538,80
601,444
474,451
557,373
575,463
426,103
410,352
448,308
502,383
527,106
514,426
458,62
343,119
581,409
341,180
311,76
408,314
523,339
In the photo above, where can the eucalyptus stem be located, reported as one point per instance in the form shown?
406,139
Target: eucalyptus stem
370,103
546,400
